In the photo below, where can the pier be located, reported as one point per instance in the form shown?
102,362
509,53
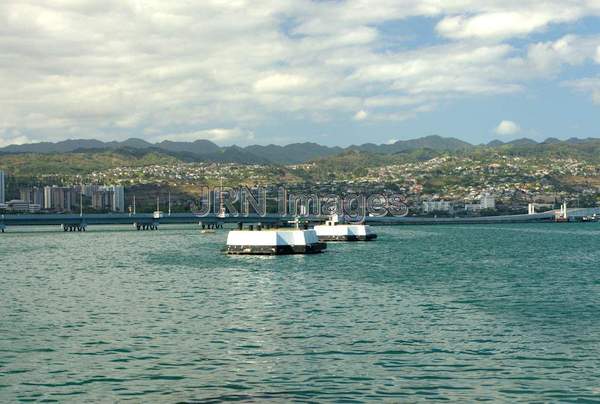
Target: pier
150,221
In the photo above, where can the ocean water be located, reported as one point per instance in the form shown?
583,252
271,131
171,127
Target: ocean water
462,313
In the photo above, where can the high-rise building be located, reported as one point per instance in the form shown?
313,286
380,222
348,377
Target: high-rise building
118,196
89,189
109,198
58,198
102,199
2,185
33,195
487,201
47,197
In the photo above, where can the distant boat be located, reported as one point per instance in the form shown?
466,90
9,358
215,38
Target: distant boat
222,211
592,218
333,230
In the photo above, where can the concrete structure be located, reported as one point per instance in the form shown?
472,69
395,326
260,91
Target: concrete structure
109,198
437,206
33,195
118,202
59,199
472,207
274,242
19,205
102,200
332,230
487,201
2,187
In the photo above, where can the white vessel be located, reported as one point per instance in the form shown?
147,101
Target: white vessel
222,211
273,242
333,230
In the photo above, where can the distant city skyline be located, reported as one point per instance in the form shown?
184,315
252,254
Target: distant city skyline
334,73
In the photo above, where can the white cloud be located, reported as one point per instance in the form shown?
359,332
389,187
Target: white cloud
115,67
279,82
361,115
507,128
218,135
590,85
8,137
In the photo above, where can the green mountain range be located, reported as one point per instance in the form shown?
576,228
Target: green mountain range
205,150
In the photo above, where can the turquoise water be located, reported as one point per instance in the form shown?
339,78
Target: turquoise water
498,312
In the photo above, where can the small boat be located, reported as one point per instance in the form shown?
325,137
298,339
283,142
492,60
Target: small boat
208,231
333,230
273,241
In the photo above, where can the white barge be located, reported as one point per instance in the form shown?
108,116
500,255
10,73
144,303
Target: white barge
274,242
332,230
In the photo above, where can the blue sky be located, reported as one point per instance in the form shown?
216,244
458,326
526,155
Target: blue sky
283,71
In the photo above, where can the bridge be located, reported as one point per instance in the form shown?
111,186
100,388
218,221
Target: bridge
150,221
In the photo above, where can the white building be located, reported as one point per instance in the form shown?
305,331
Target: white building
487,201
18,205
472,207
58,198
2,185
437,206
118,204
110,197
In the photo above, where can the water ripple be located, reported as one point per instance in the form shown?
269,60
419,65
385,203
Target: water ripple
462,313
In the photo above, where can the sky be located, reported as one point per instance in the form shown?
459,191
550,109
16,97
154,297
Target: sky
335,72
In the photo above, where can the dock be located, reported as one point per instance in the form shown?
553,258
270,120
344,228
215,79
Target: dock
150,221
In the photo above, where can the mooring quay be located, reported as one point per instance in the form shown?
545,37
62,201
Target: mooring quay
151,221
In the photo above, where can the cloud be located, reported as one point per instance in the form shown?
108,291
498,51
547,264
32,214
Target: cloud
8,137
361,115
217,135
279,82
507,128
590,85
110,69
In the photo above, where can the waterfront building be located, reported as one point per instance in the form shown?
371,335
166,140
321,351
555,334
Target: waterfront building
118,195
19,205
2,186
437,206
59,199
472,207
33,195
487,201
109,198
102,200
89,189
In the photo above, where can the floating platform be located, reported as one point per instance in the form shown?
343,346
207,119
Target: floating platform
332,230
274,242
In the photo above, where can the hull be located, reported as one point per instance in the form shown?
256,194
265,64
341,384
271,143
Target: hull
344,232
349,237
314,248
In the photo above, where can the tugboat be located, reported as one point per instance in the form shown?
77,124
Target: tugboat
273,241
332,230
